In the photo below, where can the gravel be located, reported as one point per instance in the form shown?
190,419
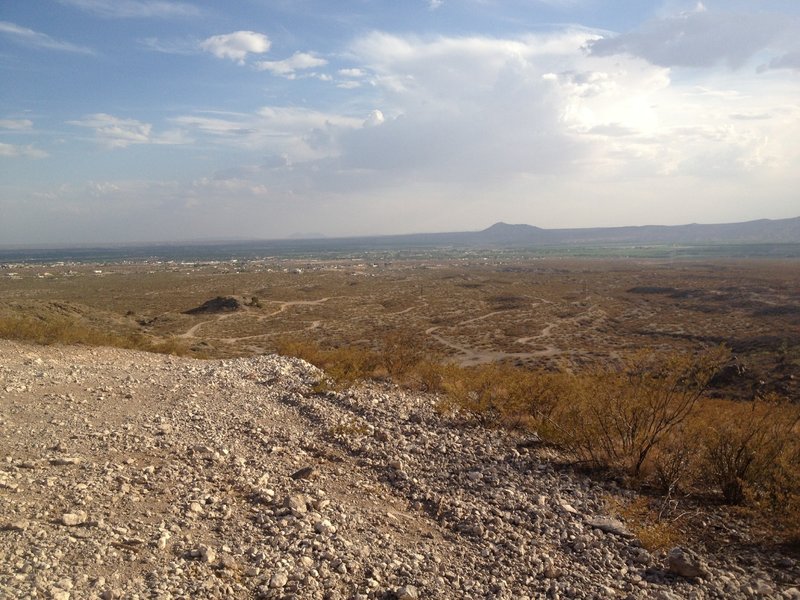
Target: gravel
133,475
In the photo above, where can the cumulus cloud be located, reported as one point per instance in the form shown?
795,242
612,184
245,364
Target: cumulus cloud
35,39
127,9
288,67
237,45
537,117
14,151
701,38
462,108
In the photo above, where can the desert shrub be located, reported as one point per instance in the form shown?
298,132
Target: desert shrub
476,391
343,365
508,302
171,345
504,394
655,532
675,460
307,350
616,417
752,450
55,330
401,352
427,376
62,330
347,365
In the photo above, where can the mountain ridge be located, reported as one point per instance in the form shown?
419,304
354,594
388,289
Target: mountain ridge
757,231
498,235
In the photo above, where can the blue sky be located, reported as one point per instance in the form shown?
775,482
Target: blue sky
155,120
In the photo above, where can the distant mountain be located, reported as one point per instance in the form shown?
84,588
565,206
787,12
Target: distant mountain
301,235
763,231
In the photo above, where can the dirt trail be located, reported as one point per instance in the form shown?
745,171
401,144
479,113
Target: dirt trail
192,331
287,304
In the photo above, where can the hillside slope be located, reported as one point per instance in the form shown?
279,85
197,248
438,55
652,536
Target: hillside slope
130,474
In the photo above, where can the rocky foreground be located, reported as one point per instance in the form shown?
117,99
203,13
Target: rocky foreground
132,475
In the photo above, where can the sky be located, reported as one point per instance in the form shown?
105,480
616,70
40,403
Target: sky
165,120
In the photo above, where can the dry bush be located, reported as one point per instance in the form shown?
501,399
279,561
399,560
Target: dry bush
171,345
476,391
675,461
655,533
56,330
751,451
401,352
504,394
616,417
427,376
61,330
350,364
306,350
344,365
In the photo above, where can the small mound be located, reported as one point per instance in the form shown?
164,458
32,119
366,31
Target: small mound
220,304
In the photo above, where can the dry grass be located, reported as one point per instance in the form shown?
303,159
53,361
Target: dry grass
656,533
63,330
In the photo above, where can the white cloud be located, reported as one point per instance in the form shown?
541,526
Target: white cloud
469,130
237,45
288,67
176,46
126,9
116,132
354,72
289,118
435,4
375,118
790,60
35,39
16,123
13,151
298,134
536,121
703,38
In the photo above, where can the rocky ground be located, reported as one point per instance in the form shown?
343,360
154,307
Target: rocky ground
132,475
